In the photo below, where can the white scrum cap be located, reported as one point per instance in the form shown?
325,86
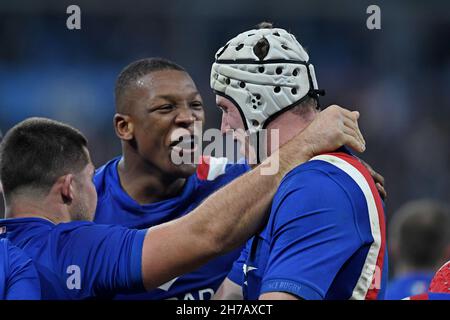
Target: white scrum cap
263,71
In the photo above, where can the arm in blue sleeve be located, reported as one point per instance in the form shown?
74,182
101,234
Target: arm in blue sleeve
108,258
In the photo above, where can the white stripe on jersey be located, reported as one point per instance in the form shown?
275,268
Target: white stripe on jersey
369,269
217,167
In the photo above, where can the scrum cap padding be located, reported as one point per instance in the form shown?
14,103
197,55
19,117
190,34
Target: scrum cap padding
263,72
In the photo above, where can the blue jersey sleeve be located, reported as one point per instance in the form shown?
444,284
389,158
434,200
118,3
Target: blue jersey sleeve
236,273
100,260
314,233
23,281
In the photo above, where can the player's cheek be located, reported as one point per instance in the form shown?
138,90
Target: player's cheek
92,196
200,116
236,121
224,125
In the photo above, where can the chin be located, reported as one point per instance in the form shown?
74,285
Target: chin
181,171
185,170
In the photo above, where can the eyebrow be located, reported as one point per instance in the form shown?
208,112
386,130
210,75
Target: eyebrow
174,97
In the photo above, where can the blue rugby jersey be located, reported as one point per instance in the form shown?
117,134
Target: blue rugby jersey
18,277
430,296
116,207
325,238
80,260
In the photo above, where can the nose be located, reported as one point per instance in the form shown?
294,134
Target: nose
224,126
185,117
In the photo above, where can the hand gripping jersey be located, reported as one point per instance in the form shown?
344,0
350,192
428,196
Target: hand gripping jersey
115,206
18,277
325,238
80,260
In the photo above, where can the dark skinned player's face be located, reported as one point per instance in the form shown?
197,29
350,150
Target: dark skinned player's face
164,101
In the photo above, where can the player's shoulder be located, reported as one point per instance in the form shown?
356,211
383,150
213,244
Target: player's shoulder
5,248
84,228
26,231
4,244
331,179
62,232
73,225
330,169
18,273
213,169
86,236
11,253
13,257
328,162
318,172
311,187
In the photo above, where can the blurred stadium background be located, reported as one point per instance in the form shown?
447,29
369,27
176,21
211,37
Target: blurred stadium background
398,77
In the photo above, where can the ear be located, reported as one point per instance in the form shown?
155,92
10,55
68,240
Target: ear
123,126
66,188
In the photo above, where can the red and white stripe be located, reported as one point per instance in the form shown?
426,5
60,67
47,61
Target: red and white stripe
367,286
210,168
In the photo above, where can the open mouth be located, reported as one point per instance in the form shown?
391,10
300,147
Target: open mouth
184,144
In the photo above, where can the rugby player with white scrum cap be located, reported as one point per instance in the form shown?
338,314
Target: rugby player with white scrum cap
325,237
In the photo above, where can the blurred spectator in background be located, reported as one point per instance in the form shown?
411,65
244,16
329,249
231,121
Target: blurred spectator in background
419,239
2,205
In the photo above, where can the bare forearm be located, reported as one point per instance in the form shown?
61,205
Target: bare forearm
246,200
222,222
237,211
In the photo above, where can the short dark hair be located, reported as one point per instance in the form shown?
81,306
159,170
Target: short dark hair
305,106
37,151
136,70
261,48
421,228
264,25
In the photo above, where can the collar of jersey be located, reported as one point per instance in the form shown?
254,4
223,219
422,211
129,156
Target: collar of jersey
124,198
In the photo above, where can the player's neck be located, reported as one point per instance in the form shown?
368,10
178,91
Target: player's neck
23,207
288,125
146,184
